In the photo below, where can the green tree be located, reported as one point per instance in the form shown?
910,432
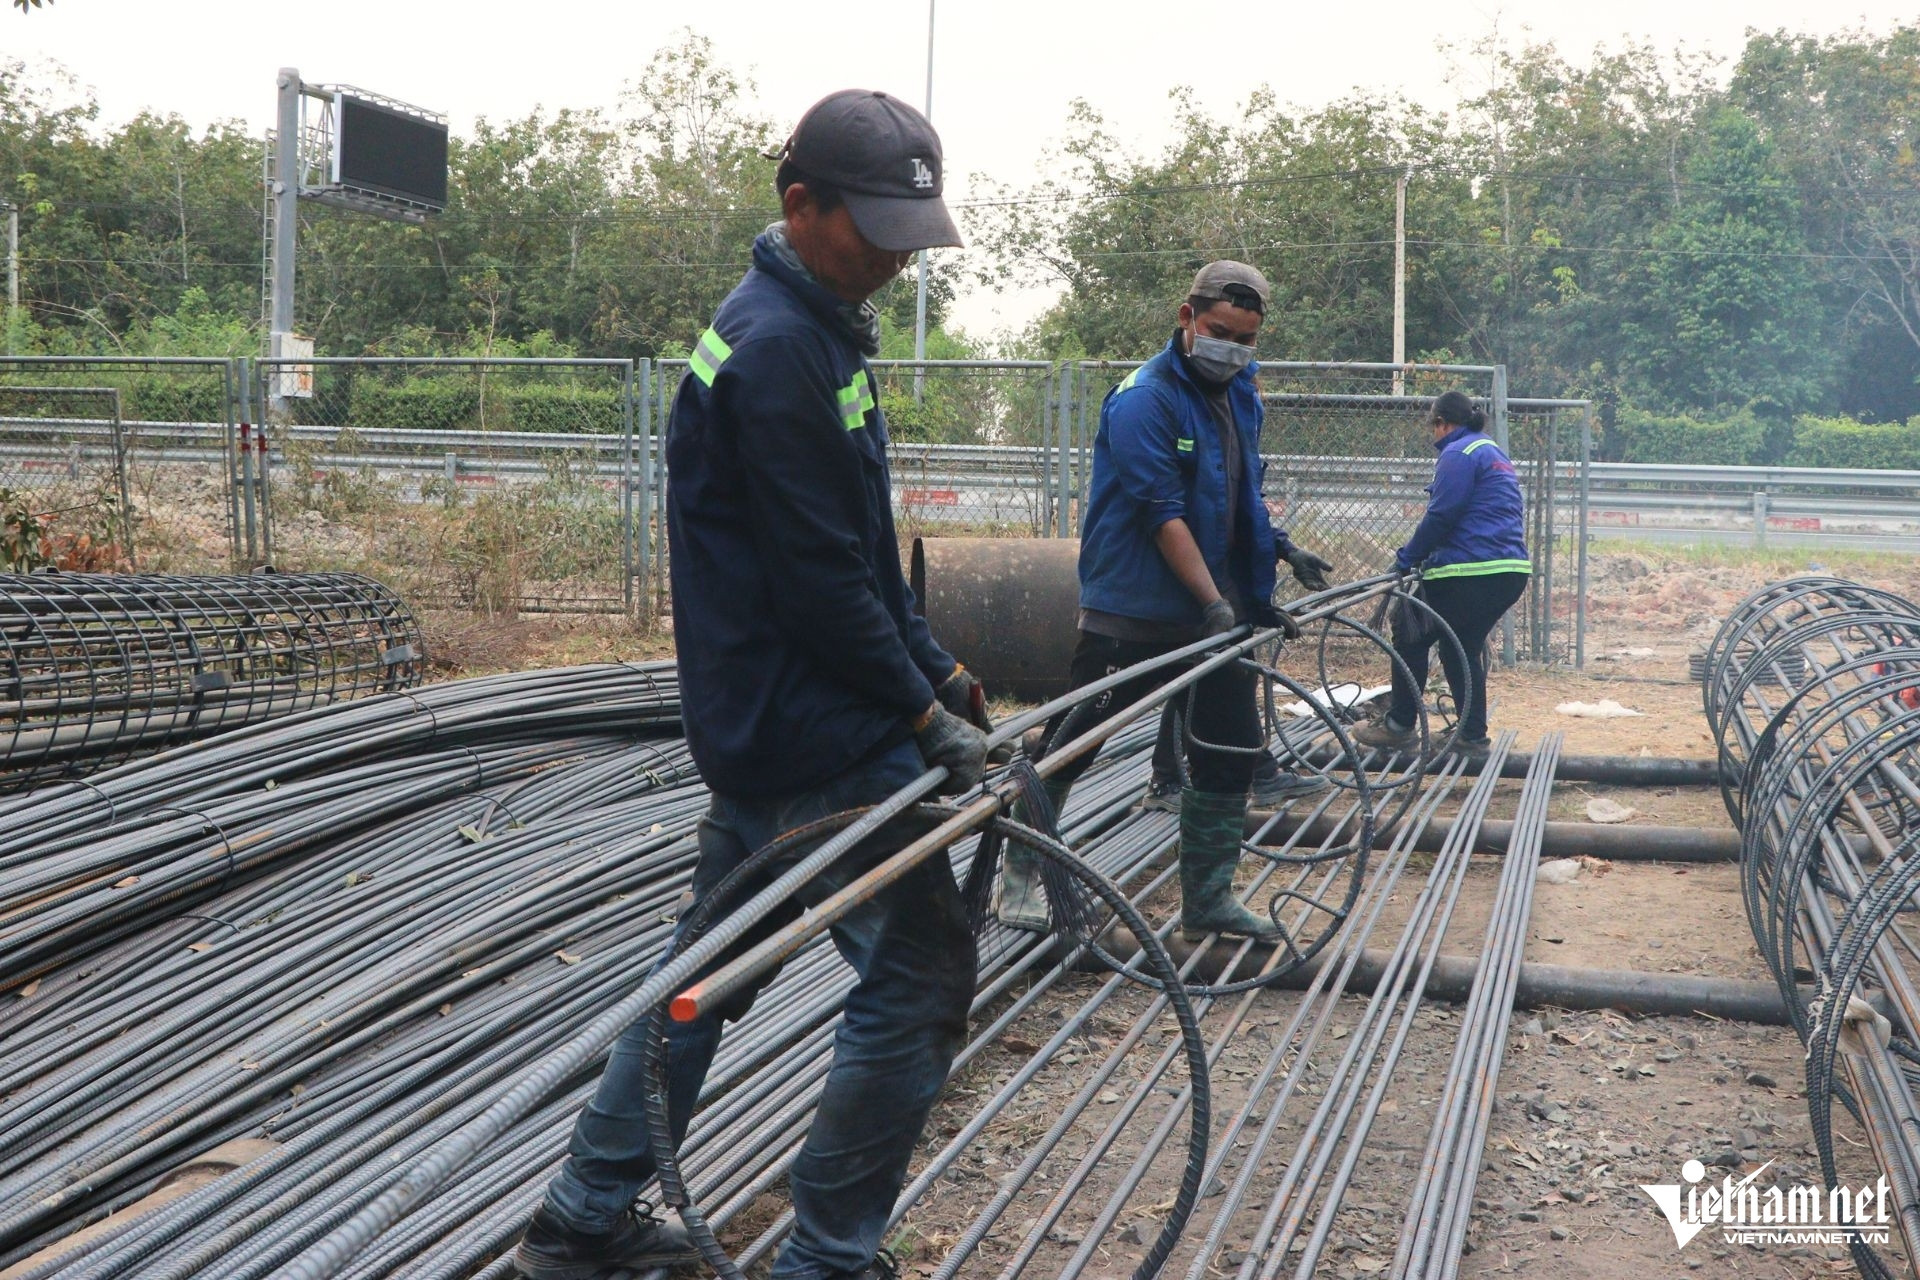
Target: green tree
1727,314
1844,116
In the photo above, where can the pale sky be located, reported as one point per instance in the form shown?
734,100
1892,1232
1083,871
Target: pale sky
1004,72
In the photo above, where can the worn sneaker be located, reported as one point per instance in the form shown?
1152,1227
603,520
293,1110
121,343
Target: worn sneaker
1271,790
1471,745
637,1241
1384,734
1163,796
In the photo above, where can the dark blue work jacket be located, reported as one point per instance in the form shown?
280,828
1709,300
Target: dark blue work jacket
1475,521
1158,458
800,652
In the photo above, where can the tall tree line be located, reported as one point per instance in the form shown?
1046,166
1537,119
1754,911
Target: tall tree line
1634,226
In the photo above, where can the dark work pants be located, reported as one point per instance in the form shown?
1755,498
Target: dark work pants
899,1031
1471,606
1224,710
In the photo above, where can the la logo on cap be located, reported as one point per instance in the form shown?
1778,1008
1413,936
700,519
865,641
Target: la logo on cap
922,175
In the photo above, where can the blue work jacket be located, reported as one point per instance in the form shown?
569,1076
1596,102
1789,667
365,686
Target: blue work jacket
1158,457
1475,521
799,648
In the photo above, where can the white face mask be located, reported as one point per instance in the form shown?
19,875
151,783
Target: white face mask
1218,360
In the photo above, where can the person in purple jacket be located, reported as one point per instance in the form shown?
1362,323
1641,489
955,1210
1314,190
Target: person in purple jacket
1471,552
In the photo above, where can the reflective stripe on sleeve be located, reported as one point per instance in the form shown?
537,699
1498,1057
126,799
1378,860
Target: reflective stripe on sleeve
856,401
708,355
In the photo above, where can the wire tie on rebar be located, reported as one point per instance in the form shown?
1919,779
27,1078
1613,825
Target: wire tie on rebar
433,729
479,766
226,877
671,769
188,915
113,811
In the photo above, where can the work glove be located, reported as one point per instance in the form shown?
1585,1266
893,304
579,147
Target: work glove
1309,570
1217,619
963,694
947,740
1274,615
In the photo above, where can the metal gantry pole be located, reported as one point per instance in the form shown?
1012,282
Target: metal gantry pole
286,215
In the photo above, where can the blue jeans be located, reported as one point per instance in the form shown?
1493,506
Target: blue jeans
900,1029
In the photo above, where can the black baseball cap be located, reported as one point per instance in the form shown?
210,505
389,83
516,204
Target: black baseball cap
885,158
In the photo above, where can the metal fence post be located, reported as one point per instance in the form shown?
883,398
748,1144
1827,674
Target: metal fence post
628,565
1580,536
1046,450
1761,501
239,395
1500,437
1064,418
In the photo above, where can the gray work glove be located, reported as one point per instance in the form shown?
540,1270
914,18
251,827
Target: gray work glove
1217,619
947,740
964,695
1309,570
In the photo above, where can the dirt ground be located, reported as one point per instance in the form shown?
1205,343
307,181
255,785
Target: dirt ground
1589,1105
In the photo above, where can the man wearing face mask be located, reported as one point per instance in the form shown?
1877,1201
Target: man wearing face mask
1176,546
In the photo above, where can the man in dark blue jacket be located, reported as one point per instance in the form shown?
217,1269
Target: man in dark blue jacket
809,687
1177,545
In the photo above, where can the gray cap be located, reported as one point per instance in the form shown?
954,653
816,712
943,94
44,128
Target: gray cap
1214,279
885,158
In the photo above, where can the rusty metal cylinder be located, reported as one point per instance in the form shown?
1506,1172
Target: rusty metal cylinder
1006,607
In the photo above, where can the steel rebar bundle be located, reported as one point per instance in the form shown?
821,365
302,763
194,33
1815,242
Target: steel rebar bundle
1813,692
364,935
97,667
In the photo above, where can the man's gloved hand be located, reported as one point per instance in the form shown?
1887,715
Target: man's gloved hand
1284,620
964,695
945,739
1218,619
1309,570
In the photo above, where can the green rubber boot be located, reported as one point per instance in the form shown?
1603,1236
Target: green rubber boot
1211,825
1023,899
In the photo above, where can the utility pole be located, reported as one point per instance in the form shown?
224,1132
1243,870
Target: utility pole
1399,283
920,305
286,215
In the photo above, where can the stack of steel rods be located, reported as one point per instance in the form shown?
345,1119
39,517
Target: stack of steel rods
1347,1107
1811,692
86,862
1433,1237
359,999
97,667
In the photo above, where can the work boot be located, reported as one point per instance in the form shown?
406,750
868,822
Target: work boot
1163,795
1386,735
1211,824
637,1241
1023,899
1274,786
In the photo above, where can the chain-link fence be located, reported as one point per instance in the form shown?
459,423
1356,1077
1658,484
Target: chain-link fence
541,484
493,485
1550,442
1349,457
112,463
